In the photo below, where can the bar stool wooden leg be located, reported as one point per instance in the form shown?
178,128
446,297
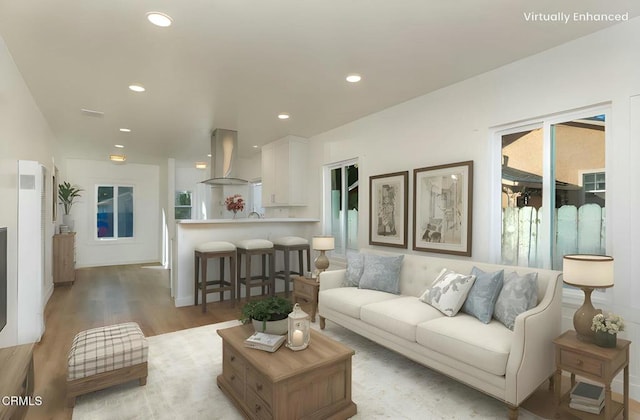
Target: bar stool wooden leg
203,284
301,262
272,273
222,278
247,281
196,271
233,278
287,272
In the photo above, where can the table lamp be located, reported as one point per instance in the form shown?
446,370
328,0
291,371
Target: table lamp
322,244
587,272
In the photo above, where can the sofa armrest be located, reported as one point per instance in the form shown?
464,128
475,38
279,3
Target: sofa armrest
532,358
332,279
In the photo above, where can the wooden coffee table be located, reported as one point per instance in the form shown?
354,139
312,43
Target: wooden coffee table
314,383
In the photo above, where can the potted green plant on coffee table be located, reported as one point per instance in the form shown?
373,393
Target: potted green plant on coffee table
268,315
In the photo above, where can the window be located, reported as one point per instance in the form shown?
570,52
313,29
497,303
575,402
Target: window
594,182
183,205
553,200
114,216
341,205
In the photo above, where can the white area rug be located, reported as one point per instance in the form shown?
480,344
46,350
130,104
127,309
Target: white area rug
183,367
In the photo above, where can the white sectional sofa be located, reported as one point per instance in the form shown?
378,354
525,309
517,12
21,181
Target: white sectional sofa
506,364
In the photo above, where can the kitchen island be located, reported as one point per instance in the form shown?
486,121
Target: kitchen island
191,233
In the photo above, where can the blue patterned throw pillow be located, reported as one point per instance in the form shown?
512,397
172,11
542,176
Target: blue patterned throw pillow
518,294
483,295
381,273
355,267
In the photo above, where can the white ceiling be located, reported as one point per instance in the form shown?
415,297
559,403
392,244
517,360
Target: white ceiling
236,64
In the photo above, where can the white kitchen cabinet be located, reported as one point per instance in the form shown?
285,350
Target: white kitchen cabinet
284,166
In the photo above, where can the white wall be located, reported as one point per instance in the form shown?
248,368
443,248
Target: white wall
24,134
455,123
146,245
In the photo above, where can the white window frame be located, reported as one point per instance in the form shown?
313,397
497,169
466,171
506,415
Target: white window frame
115,213
570,295
326,217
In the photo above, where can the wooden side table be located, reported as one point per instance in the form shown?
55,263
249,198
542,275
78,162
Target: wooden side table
595,363
307,290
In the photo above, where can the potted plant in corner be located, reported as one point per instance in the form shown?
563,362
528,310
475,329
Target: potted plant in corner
268,315
67,194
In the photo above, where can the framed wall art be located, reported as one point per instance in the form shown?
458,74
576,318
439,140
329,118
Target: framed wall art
442,206
388,209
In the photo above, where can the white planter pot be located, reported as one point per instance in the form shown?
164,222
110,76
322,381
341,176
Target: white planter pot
67,220
280,327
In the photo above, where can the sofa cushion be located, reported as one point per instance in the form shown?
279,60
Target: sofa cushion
448,292
355,267
484,346
349,300
381,273
399,316
483,295
518,294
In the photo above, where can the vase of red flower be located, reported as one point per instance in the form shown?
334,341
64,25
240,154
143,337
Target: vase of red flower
234,203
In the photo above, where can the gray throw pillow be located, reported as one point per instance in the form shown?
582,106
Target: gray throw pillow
483,295
355,266
518,294
381,273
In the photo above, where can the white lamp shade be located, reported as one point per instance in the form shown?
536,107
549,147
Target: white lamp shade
323,243
583,270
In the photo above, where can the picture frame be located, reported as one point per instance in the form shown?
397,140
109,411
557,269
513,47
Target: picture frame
442,208
389,209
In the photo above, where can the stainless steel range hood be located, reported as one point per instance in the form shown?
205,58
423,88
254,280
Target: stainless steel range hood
224,148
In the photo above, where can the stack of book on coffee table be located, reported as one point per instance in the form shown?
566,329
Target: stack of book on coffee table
587,397
264,341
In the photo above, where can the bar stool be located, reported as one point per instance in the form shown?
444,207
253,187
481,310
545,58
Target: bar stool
249,248
287,244
215,249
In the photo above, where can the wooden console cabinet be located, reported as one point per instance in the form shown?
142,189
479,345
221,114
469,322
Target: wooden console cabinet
64,258
16,380
314,383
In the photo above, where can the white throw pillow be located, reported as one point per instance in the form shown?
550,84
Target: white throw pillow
448,292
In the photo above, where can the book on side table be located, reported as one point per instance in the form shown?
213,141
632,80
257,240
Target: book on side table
587,397
264,341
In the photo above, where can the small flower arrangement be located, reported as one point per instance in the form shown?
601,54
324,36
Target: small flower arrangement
234,203
611,323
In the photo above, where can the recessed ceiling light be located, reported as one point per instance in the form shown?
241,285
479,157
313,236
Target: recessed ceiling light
137,88
255,146
117,158
284,116
208,154
119,146
159,19
125,130
354,78
201,165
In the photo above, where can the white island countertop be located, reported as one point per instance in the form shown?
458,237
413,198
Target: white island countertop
248,220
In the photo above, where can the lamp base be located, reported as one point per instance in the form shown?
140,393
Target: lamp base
583,317
322,262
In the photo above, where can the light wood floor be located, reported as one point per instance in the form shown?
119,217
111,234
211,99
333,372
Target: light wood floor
108,295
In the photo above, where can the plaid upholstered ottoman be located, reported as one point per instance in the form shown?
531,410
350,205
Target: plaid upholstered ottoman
106,356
